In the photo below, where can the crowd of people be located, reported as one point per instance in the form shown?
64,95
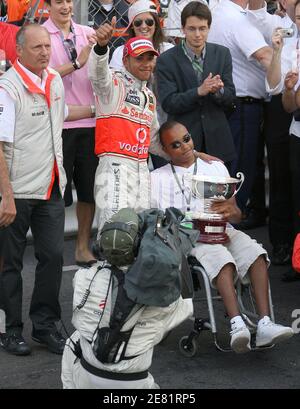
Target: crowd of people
202,93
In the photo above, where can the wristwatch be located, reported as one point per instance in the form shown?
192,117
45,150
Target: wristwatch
93,111
76,64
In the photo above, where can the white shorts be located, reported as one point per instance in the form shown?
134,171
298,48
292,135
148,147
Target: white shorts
240,250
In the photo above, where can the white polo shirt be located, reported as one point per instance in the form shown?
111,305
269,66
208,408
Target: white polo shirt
266,23
232,28
7,106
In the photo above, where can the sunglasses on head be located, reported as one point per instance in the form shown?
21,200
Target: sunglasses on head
70,49
149,22
185,139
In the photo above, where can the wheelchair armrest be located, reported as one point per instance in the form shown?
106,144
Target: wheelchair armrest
193,262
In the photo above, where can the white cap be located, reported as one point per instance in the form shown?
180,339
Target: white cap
140,6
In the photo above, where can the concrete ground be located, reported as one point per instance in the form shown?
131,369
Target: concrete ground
275,368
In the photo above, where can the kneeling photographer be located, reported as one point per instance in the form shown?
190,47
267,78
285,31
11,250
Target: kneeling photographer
125,305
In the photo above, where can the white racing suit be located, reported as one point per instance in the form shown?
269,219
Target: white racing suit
126,131
150,325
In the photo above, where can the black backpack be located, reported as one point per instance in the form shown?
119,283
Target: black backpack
109,343
156,277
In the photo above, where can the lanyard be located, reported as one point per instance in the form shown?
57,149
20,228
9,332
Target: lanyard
72,30
189,198
73,44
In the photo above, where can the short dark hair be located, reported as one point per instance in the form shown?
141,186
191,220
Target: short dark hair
196,9
165,127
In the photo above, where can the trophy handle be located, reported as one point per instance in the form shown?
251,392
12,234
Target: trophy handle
240,176
195,190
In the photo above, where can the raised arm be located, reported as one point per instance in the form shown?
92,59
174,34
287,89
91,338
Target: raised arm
98,68
273,76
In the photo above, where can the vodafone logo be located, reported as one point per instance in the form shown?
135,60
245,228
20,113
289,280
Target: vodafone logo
141,135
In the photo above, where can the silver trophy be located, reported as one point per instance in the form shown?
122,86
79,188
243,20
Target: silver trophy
212,226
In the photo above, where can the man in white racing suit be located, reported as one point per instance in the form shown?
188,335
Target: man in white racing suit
149,324
126,125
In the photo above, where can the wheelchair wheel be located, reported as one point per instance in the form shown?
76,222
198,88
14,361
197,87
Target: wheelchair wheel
188,347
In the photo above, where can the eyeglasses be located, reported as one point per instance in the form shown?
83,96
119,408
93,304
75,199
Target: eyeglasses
202,30
149,22
70,49
177,144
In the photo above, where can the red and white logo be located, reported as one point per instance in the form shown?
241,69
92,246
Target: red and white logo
102,304
141,135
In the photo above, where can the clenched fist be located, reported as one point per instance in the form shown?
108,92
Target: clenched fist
105,31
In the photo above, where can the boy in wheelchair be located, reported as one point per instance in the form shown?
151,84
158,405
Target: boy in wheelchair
239,258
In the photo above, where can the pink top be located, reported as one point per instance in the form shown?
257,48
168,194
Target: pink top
78,88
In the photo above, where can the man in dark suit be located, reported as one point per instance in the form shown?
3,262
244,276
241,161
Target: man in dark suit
195,84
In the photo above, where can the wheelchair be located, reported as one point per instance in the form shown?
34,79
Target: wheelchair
188,344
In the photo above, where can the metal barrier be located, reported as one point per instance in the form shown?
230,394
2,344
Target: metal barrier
92,13
86,10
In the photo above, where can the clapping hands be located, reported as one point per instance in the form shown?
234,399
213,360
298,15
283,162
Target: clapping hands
210,85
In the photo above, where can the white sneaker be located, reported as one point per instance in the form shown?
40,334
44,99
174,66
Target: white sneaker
269,333
240,339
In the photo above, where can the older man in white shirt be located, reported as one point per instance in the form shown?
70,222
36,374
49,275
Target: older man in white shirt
32,111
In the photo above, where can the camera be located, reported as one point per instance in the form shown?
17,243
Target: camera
286,32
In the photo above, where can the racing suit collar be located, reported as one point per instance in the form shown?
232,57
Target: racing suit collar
132,80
